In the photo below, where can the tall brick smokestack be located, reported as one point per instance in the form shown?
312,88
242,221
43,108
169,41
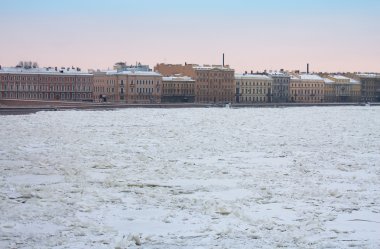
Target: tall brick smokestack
307,68
223,59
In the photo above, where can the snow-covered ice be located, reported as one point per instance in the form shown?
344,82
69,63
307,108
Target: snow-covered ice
302,177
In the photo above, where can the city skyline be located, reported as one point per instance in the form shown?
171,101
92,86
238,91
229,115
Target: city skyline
254,35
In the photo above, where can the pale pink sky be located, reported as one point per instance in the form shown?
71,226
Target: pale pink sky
330,35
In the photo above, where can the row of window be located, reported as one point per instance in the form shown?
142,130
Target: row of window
144,82
212,74
145,90
254,91
307,91
173,85
52,88
320,85
216,80
253,83
47,96
308,98
178,91
253,99
50,79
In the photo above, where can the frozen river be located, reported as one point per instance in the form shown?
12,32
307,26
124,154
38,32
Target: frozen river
302,177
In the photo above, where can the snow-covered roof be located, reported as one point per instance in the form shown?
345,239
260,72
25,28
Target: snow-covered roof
44,70
310,77
339,77
212,67
252,76
280,74
294,77
136,73
352,81
369,75
177,78
328,81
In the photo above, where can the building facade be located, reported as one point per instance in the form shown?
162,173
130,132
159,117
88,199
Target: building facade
306,88
140,87
213,83
370,87
280,87
69,84
341,89
177,89
105,87
253,88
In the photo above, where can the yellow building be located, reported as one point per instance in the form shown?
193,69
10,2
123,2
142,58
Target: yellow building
342,89
306,88
253,88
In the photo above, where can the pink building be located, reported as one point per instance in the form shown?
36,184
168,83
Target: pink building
46,84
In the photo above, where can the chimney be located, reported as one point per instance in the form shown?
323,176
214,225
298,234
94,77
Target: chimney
307,68
223,59
251,71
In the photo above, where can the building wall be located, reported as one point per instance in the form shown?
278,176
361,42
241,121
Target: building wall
143,88
105,88
342,89
306,90
280,88
213,84
178,89
128,87
370,88
46,86
253,88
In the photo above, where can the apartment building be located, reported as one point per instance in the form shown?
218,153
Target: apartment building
280,87
370,87
306,88
213,83
129,86
178,89
49,83
339,88
253,88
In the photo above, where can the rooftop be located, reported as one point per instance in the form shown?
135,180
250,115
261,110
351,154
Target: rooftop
44,70
252,76
369,75
310,77
339,77
328,81
137,73
281,74
210,67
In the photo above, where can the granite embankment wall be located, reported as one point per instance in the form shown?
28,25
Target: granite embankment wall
9,106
